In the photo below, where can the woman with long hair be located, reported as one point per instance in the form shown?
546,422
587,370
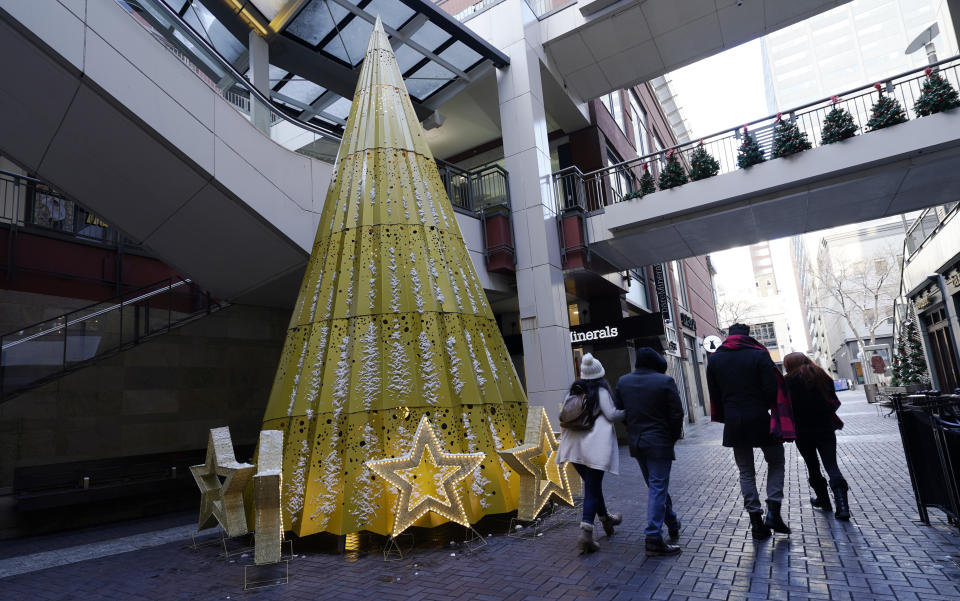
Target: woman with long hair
593,452
815,407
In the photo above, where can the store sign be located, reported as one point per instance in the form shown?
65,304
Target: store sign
712,343
930,296
688,322
661,285
617,331
952,280
606,332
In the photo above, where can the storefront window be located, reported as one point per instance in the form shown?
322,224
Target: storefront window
573,312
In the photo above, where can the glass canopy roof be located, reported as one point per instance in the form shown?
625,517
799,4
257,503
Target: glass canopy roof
433,50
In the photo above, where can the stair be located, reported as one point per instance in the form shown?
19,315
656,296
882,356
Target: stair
44,351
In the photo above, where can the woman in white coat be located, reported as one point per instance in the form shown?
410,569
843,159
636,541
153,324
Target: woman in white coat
593,452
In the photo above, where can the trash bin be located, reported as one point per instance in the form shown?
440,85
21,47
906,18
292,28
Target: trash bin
871,392
930,431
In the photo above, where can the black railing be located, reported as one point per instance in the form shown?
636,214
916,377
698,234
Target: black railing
29,203
475,190
594,190
48,349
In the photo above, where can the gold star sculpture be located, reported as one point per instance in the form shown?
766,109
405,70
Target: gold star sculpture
222,501
426,478
535,461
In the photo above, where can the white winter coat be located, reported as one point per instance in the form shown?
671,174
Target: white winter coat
596,448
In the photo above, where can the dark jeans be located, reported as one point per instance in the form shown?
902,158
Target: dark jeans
656,473
824,444
593,504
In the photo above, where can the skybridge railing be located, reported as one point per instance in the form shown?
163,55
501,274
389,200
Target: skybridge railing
592,191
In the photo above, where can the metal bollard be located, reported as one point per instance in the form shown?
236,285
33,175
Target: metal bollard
85,482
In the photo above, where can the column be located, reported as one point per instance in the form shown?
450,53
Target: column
548,360
259,76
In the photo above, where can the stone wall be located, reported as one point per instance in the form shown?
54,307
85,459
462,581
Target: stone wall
160,396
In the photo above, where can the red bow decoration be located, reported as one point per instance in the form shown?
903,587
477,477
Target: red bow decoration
779,116
928,71
644,165
744,129
669,153
701,141
877,86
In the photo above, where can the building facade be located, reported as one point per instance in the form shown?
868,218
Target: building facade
856,43
851,277
931,290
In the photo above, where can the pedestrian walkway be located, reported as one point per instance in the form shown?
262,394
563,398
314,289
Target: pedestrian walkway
883,553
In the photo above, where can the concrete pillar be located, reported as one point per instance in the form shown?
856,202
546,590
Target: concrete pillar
548,360
259,76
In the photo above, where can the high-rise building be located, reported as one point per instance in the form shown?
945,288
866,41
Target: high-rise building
853,44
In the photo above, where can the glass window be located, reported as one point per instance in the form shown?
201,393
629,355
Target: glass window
617,102
351,42
428,79
204,23
316,20
639,122
460,56
682,295
620,179
637,292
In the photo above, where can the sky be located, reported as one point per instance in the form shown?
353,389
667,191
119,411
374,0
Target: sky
723,91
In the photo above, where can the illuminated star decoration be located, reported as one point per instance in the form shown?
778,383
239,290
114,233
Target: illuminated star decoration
222,501
426,478
535,461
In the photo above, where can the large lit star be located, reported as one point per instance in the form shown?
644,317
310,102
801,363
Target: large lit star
222,501
535,461
426,478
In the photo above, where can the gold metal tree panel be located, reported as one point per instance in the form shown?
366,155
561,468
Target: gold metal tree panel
391,325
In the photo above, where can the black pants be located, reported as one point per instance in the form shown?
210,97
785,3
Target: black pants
823,444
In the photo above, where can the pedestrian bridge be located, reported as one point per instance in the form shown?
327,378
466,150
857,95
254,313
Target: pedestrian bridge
894,170
598,46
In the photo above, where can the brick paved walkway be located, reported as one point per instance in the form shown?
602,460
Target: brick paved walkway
882,553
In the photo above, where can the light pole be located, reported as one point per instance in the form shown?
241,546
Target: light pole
925,41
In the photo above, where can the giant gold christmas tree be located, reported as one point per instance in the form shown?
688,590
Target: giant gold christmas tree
391,324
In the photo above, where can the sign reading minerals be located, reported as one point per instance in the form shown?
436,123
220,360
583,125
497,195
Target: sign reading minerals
617,332
662,299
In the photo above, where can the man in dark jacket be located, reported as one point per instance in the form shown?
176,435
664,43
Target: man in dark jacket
654,420
743,386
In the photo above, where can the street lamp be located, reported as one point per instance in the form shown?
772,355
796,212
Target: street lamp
925,41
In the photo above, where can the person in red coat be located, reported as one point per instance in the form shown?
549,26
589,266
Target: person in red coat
748,396
815,407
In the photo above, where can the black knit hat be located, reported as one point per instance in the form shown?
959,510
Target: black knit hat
739,328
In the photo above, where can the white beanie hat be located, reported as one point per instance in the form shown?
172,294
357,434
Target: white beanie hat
590,368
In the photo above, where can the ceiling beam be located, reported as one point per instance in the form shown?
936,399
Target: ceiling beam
406,40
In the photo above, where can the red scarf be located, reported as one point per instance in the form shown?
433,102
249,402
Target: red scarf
781,411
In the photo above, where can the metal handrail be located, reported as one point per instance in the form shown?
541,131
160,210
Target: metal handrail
802,113
225,64
120,305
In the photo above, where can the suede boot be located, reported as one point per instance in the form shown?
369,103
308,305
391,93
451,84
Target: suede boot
840,498
609,521
773,519
757,527
821,500
586,544
655,547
